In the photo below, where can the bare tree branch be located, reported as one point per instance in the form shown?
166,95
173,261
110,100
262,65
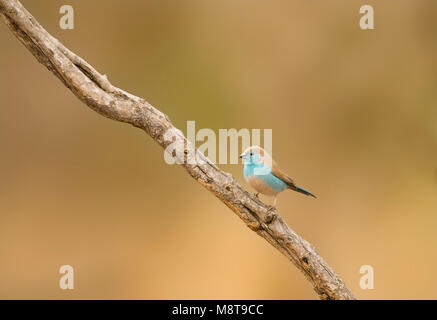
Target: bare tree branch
99,94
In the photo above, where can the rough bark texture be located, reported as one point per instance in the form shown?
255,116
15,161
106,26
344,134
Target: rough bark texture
99,94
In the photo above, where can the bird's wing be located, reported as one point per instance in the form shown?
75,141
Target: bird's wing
281,175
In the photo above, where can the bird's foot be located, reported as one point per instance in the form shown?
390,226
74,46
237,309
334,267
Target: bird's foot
256,194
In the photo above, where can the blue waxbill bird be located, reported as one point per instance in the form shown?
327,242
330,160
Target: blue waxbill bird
264,175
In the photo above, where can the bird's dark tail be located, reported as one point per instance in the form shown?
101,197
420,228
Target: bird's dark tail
299,189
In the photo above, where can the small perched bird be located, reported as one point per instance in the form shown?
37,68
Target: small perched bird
264,175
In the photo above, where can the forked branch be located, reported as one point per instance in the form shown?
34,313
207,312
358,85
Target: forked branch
94,89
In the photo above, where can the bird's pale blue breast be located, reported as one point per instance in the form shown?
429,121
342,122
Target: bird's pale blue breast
254,170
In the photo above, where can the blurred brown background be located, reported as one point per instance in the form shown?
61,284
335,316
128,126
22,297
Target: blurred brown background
353,115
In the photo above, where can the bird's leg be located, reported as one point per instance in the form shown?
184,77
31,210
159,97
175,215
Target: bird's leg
274,201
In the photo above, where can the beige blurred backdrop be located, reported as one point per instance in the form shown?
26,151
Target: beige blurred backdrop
353,115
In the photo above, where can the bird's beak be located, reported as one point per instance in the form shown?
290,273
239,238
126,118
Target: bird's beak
243,156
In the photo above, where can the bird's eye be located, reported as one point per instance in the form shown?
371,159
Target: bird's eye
251,154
